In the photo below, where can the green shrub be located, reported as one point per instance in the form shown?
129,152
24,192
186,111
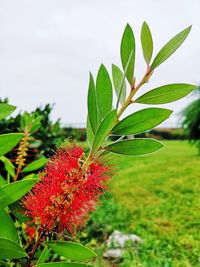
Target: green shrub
191,121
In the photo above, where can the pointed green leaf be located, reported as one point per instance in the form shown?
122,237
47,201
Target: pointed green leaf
31,176
2,181
141,121
6,110
10,250
35,165
10,193
123,79
104,129
10,168
7,227
63,264
170,48
92,104
138,146
128,46
71,250
104,91
119,83
44,255
166,93
35,128
147,42
8,141
89,132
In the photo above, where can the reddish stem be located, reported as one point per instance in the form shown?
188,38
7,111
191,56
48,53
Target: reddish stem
17,174
32,253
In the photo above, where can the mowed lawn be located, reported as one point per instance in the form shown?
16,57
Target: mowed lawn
161,191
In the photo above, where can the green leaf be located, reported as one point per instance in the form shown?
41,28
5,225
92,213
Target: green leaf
36,123
10,193
166,93
31,176
7,227
89,132
104,129
104,91
119,83
92,105
35,165
128,47
2,181
35,127
147,42
123,79
19,212
6,110
44,255
4,264
10,250
170,47
8,141
138,146
141,121
71,250
10,168
63,264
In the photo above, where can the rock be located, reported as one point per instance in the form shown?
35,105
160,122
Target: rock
118,242
114,253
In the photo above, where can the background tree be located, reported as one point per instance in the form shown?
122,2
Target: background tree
191,121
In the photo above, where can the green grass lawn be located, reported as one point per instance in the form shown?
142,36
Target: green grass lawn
161,195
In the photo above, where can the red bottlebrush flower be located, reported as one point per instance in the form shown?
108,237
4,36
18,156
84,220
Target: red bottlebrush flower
30,231
65,196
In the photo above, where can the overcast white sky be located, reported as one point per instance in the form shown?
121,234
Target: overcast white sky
47,48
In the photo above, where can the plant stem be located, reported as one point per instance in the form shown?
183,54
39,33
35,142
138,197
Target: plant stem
32,253
86,163
17,174
133,91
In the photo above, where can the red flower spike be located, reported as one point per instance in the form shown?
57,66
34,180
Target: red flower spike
64,197
31,232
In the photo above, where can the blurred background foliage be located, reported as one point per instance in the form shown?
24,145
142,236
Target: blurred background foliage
159,203
50,134
191,121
